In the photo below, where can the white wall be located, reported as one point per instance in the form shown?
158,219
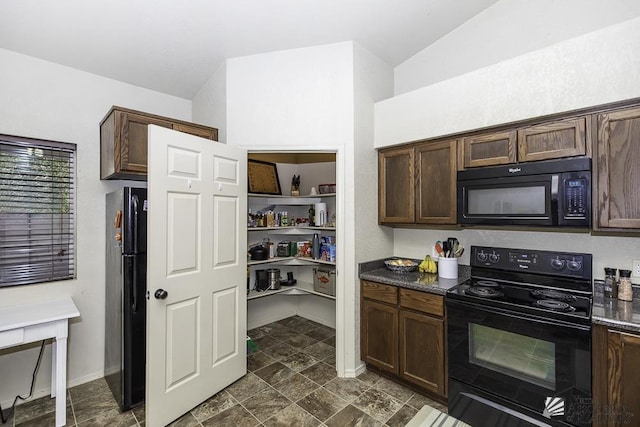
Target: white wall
596,68
373,81
209,106
505,30
294,98
48,101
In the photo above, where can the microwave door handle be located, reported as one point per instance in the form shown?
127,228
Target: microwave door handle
554,199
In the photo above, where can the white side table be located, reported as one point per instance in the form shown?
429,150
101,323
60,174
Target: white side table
37,321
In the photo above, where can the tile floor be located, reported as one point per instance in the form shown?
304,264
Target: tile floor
291,381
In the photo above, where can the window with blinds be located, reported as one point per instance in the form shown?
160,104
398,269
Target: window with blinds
37,209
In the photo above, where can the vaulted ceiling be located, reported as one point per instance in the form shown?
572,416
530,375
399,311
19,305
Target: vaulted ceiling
174,46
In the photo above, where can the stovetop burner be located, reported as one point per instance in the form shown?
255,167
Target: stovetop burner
487,284
554,305
484,292
552,294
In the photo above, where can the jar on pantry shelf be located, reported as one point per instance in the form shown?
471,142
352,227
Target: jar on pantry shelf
625,291
610,288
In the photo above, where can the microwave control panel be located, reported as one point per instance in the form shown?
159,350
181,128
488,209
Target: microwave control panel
575,197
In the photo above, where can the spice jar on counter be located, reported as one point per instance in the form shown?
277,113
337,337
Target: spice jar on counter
625,291
610,288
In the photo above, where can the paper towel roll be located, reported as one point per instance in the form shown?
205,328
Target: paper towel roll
321,214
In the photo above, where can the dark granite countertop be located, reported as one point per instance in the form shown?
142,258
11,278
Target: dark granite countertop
611,312
376,271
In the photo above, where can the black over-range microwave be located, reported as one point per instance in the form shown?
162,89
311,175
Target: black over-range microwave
550,193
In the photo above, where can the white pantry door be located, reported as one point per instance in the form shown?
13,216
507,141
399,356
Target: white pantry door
196,271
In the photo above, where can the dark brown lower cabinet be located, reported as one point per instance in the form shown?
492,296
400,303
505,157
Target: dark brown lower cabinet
402,333
422,351
380,335
616,385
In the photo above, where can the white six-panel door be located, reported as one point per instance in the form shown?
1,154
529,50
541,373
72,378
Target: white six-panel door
196,315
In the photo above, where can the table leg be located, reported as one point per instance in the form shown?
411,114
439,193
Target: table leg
60,374
53,368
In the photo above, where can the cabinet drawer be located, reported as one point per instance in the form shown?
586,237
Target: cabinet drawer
380,292
422,301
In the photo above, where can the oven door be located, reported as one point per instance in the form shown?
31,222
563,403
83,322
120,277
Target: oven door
517,200
527,363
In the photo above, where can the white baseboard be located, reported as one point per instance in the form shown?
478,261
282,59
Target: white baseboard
352,373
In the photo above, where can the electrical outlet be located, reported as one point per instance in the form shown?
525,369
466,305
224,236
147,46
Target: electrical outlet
635,270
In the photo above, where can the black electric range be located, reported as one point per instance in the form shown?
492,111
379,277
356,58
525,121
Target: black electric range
556,285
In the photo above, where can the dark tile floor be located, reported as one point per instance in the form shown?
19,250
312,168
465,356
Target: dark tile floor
291,380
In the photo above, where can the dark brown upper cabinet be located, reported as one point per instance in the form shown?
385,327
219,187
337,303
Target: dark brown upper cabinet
123,141
396,185
565,138
436,182
496,148
550,140
417,184
617,165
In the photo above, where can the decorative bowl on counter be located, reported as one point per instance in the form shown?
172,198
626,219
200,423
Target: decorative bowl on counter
401,265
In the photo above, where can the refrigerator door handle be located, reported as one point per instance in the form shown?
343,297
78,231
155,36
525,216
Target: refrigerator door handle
131,280
134,287
135,201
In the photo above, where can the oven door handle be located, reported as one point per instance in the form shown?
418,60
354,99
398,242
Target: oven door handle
518,315
502,408
554,199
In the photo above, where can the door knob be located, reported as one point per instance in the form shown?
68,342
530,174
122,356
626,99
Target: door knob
161,294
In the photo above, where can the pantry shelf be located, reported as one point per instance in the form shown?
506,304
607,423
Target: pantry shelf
300,288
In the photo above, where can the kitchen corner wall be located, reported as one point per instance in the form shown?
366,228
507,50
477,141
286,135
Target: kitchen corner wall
507,29
317,98
595,68
48,101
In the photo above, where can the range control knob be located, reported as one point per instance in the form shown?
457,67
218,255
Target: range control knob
482,257
574,265
494,257
557,263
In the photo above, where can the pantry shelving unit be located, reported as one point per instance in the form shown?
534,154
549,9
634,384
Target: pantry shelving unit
256,234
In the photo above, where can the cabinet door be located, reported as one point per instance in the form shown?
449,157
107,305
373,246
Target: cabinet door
396,203
489,149
379,335
436,187
554,140
618,169
422,352
131,142
620,394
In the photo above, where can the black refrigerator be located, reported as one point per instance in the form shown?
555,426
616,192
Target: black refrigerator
126,286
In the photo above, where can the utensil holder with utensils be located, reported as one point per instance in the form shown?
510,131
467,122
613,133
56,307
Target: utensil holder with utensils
448,268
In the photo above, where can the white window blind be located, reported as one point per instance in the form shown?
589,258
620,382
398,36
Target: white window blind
37,208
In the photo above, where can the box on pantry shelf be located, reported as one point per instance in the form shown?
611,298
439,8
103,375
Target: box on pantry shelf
328,249
324,280
304,249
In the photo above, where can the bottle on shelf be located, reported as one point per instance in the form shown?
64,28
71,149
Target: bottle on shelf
316,246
